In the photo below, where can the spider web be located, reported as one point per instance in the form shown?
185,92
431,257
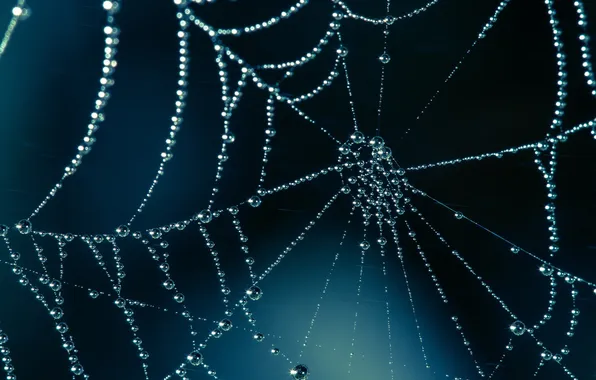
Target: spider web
388,221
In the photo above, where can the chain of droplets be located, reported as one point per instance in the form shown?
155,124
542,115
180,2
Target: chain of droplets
56,313
181,94
560,103
384,58
95,294
260,83
6,359
120,302
569,278
305,58
169,284
230,105
563,137
382,241
550,207
491,22
97,117
547,271
327,281
501,360
195,358
343,51
310,120
264,24
410,297
585,46
518,328
249,260
387,308
270,132
547,355
19,13
242,302
298,99
455,319
387,19
26,227
364,246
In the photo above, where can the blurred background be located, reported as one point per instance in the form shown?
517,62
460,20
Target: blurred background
503,96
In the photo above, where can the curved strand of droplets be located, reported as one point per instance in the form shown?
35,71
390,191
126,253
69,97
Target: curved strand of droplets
264,24
56,313
306,58
584,39
386,20
180,104
500,154
97,117
19,13
487,26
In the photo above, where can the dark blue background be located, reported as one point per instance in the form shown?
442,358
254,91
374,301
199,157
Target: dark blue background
502,97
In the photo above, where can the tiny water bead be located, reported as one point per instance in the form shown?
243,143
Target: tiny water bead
169,284
62,328
357,137
254,293
3,230
546,270
120,302
376,142
56,313
195,358
24,226
55,285
228,138
258,337
344,149
300,372
275,351
546,355
93,294
77,369
364,245
254,201
217,333
123,231
384,58
205,216
518,328
225,324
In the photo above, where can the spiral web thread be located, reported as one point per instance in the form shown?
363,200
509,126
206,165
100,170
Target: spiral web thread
376,185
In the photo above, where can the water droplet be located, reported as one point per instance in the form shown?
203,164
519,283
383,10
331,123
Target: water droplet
384,58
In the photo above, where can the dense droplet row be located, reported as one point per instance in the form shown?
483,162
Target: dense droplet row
111,41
